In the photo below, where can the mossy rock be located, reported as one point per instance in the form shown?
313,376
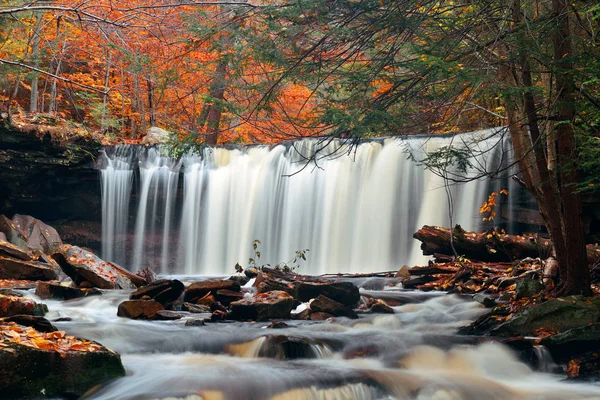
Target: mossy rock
574,341
559,314
27,372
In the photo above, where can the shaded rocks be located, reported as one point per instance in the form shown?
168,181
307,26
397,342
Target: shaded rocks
39,236
527,287
577,340
199,290
38,323
139,309
52,364
195,308
54,290
164,291
559,314
263,306
167,315
379,307
10,250
485,300
195,322
86,269
11,268
323,304
13,305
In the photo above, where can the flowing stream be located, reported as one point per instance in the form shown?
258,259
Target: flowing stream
354,207
413,354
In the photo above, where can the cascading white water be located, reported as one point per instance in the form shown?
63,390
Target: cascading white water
354,212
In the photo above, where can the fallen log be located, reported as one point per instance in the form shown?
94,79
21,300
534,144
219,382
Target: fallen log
481,246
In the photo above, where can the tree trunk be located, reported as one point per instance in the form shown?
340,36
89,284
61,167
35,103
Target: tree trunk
35,53
217,96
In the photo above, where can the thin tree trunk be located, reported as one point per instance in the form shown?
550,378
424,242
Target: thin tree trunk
35,50
217,94
151,105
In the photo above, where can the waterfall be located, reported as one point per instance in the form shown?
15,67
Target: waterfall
355,208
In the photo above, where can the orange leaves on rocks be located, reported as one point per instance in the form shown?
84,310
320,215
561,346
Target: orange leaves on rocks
58,341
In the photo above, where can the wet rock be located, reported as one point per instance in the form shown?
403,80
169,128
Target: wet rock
11,305
195,308
418,281
226,297
198,290
195,322
11,292
485,300
164,291
82,265
326,305
17,284
361,351
527,287
303,315
139,309
54,290
320,316
263,306
403,272
278,325
577,340
27,372
251,272
12,233
39,236
10,250
167,315
560,314
379,307
12,268
207,300
241,278
218,315
38,323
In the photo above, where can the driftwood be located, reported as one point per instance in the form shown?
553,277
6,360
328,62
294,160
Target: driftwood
481,246
488,246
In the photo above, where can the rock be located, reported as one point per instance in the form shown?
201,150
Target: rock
418,281
10,250
17,284
278,325
11,305
11,292
195,308
320,316
241,278
11,268
218,315
28,372
303,315
560,314
379,307
195,322
164,291
251,272
167,315
54,290
324,304
198,290
39,236
82,265
263,307
38,323
361,351
207,300
577,340
485,300
156,135
139,309
527,287
403,272
226,296
12,233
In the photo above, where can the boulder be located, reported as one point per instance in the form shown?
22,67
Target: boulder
156,135
485,300
323,304
139,309
12,268
195,322
39,236
52,364
12,305
226,297
263,307
195,308
17,284
10,250
12,233
84,266
527,287
164,291
379,307
320,316
54,290
574,341
560,314
38,323
167,315
198,290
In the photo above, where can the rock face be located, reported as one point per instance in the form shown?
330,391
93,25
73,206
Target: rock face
156,135
54,290
263,306
83,266
560,314
139,309
11,268
48,364
13,305
164,291
198,290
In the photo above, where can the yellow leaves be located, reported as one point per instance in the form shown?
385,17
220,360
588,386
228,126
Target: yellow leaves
48,341
488,206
